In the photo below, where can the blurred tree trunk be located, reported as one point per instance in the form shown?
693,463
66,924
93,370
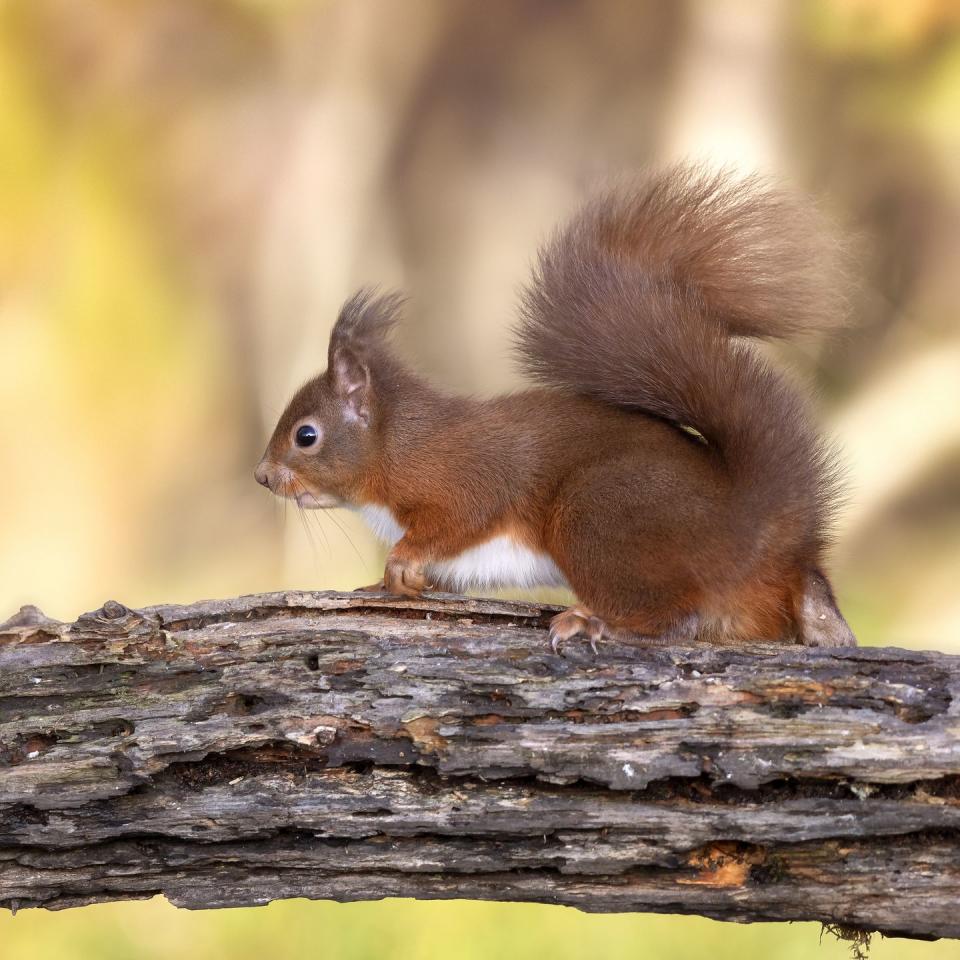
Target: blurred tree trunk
726,103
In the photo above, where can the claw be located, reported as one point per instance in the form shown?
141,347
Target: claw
377,587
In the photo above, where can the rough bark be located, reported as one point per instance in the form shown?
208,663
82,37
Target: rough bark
352,746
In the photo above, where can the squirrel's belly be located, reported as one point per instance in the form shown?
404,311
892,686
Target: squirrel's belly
500,561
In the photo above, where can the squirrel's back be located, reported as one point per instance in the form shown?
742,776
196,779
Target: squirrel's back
646,300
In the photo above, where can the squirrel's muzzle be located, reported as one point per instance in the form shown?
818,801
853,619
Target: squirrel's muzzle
263,474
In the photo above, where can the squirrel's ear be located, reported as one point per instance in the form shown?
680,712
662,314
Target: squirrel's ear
351,380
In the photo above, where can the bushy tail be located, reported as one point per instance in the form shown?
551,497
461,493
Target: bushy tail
637,301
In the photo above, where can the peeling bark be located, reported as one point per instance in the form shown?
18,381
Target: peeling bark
352,746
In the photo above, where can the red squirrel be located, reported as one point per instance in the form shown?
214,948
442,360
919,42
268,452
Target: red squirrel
663,470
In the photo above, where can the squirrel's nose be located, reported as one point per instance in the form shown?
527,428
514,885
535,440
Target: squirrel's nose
262,474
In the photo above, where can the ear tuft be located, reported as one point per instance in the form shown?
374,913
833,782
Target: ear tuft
364,322
365,319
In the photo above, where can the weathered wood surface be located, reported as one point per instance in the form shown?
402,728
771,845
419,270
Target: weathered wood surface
351,746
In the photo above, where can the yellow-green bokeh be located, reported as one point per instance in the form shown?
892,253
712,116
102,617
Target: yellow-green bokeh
414,930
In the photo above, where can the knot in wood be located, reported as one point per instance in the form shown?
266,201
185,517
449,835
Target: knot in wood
113,610
114,620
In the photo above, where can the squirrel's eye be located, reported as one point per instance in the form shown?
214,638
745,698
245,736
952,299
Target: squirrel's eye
306,436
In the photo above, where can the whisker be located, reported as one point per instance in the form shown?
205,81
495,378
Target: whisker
345,532
296,488
302,514
323,532
306,529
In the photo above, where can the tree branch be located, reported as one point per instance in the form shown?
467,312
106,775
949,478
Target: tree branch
351,746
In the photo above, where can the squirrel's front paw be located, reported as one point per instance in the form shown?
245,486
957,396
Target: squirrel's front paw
404,579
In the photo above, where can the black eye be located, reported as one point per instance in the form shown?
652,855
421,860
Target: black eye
306,435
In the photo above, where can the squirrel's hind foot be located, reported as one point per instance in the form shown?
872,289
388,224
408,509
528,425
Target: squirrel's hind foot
579,621
575,622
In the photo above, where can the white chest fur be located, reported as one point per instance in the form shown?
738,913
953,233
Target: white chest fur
382,523
498,562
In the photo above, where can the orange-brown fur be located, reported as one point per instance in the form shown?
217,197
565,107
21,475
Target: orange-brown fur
661,533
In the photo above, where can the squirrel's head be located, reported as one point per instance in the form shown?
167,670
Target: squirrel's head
324,443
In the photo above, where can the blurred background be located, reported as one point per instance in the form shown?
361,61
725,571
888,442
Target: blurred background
188,190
